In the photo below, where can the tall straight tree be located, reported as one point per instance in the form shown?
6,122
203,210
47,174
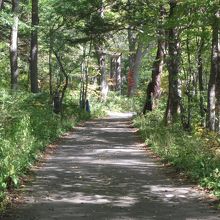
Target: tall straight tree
135,58
1,4
136,52
200,71
14,46
213,90
173,65
154,86
103,74
99,46
34,48
115,72
217,125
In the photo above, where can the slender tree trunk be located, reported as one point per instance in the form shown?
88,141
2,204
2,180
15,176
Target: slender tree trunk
118,73
1,4
200,77
173,65
217,125
190,87
212,89
154,87
135,58
115,72
34,48
103,78
112,73
66,81
14,46
50,64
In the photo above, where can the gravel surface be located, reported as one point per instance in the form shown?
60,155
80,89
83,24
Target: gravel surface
100,171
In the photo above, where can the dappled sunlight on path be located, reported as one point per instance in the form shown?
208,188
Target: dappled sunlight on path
101,171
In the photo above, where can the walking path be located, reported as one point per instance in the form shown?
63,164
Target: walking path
100,171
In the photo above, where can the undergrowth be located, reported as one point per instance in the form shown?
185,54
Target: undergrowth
196,153
27,126
115,102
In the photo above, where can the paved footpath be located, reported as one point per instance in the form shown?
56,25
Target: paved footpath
100,171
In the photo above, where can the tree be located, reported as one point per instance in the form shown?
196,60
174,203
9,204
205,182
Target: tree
103,74
153,88
115,72
173,66
34,48
200,69
1,4
213,91
102,57
14,46
135,58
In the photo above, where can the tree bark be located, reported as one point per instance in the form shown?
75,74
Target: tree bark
1,4
200,77
154,87
212,89
34,48
173,65
112,73
217,124
50,63
115,72
65,84
118,73
103,78
135,58
14,46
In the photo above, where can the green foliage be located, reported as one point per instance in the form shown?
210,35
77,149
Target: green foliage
114,103
192,153
27,125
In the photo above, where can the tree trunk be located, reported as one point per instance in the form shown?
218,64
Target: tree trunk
200,77
112,73
217,125
115,72
14,46
118,73
65,83
154,87
173,65
1,4
212,89
103,77
135,59
103,80
34,48
50,64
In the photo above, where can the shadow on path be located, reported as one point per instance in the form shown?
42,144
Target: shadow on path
100,172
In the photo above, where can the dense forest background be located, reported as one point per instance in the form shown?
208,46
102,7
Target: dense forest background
158,58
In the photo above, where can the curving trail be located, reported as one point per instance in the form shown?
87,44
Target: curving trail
101,172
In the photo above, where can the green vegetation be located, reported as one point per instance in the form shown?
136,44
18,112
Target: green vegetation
28,125
195,153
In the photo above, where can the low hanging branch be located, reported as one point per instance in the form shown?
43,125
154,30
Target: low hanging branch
65,75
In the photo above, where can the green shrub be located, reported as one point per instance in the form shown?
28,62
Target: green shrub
27,125
188,152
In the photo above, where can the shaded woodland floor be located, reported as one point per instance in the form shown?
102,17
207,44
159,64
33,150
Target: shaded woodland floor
100,171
